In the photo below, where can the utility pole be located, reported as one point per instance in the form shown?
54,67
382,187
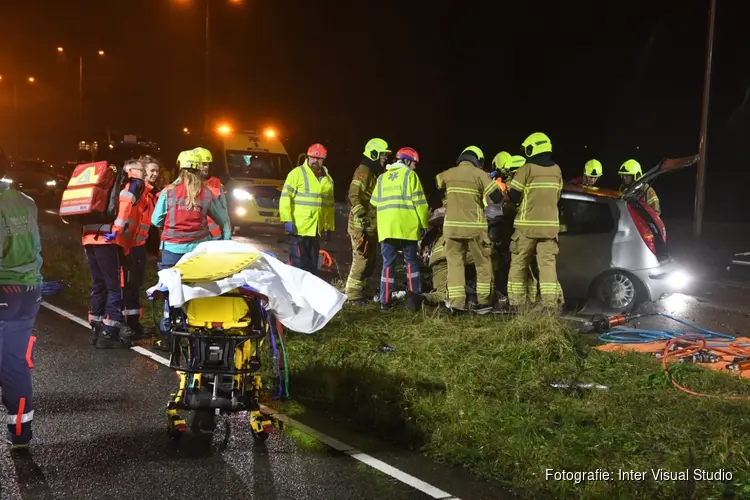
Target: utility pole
206,122
700,181
80,97
15,118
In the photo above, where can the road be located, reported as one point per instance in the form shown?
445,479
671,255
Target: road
100,427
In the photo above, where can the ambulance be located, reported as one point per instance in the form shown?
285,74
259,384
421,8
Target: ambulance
253,166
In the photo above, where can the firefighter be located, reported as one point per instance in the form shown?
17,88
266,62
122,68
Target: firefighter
631,172
592,170
465,227
307,209
20,297
439,270
362,228
402,214
181,212
106,247
216,187
499,171
136,235
536,188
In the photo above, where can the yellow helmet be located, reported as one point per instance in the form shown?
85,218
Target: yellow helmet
188,159
516,162
204,155
536,143
375,147
477,152
631,167
593,168
501,161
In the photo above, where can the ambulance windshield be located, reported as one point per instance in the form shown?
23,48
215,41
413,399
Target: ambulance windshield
258,165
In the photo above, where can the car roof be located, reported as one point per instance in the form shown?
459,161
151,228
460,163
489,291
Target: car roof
592,190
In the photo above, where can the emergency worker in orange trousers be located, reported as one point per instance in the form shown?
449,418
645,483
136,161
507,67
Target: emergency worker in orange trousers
106,247
136,234
217,189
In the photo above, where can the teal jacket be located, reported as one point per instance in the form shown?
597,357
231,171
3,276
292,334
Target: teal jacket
217,212
20,243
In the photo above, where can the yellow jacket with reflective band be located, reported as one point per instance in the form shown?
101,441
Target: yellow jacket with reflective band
307,201
538,215
438,253
360,193
649,196
465,188
402,209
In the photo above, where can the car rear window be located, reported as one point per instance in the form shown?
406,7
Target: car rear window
585,217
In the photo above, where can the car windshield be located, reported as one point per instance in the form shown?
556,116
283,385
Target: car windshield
258,165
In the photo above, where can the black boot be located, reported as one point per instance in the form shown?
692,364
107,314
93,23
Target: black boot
109,340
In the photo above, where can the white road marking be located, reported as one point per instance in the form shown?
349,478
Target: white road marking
334,443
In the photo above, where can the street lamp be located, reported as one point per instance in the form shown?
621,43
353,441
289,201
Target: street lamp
186,131
80,87
29,79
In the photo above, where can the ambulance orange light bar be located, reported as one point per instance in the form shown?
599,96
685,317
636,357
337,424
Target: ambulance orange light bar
270,133
224,129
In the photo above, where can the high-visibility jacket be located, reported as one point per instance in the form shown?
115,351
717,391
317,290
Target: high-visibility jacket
360,192
307,201
93,234
20,244
139,222
649,196
181,224
217,189
465,188
401,205
538,215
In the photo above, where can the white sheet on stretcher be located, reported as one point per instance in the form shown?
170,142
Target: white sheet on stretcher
301,301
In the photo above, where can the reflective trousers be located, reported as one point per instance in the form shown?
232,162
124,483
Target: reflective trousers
389,249
480,248
134,273
106,306
364,258
19,305
522,252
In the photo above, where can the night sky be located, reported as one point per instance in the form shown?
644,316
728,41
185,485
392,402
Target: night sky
603,79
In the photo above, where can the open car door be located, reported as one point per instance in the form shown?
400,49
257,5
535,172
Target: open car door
666,165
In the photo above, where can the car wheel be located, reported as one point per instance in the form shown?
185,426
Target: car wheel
618,291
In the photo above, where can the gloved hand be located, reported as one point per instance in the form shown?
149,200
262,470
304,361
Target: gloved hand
494,174
364,221
109,237
289,227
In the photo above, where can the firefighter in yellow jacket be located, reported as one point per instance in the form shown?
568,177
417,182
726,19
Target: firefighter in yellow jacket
465,227
535,189
306,208
363,227
402,214
631,172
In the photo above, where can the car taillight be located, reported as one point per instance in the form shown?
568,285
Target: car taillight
643,230
657,220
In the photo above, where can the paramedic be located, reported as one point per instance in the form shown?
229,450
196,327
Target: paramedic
20,296
216,187
106,248
631,172
307,209
403,214
363,230
136,235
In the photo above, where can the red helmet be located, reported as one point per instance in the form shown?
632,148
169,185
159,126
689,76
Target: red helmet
317,151
407,154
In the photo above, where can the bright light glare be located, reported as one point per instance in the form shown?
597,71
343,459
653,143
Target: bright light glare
186,130
270,133
676,304
224,129
51,183
678,280
60,49
6,180
32,79
101,52
240,211
241,194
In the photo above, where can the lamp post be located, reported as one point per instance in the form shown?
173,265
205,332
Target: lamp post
61,50
29,79
700,181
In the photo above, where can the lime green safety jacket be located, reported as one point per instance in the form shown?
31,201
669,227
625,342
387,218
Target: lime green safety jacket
307,201
20,244
402,210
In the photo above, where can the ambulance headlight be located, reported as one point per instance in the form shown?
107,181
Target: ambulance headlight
242,194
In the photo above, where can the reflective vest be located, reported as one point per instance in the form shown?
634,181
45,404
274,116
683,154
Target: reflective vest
307,201
538,215
20,246
217,189
139,222
93,234
465,189
401,205
181,224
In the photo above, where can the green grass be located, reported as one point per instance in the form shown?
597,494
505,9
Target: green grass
475,391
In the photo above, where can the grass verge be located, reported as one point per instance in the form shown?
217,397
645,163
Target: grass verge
476,392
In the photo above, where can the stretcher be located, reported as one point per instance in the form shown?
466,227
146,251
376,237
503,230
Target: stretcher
215,348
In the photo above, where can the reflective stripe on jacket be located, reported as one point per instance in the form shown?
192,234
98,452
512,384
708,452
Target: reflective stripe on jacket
401,204
307,201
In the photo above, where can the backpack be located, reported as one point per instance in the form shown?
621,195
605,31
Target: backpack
92,194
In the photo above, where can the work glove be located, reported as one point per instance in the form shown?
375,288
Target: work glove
365,222
110,237
289,227
494,174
